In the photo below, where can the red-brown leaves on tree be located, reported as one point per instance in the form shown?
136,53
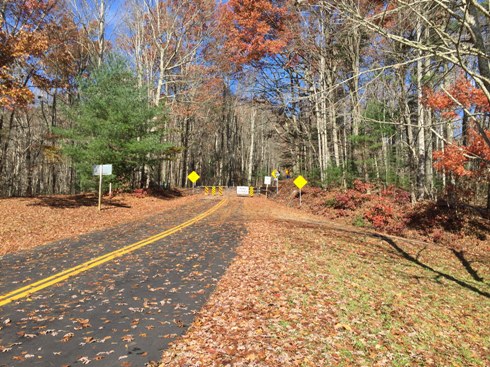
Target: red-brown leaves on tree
24,40
254,29
461,94
472,160
384,14
452,159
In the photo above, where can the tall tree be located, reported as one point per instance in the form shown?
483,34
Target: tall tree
457,33
23,41
254,29
113,124
91,16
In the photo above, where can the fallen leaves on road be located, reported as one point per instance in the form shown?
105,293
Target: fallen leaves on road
67,337
127,338
34,221
84,360
82,323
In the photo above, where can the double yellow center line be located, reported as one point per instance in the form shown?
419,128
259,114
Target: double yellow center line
68,273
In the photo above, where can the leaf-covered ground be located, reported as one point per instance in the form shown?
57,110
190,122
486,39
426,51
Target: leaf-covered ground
304,292
123,312
29,222
388,210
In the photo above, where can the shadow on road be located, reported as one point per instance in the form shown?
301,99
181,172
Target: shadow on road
91,200
77,201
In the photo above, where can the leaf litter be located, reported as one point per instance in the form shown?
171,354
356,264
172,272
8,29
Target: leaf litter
35,221
305,292
302,293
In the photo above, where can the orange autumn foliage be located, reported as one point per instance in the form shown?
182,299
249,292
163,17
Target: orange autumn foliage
254,29
461,93
472,160
24,39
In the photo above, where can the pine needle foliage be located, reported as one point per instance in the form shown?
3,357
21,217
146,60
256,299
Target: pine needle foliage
112,122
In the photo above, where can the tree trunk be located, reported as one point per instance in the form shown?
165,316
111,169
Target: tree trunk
488,196
185,153
421,154
332,114
101,35
6,143
355,45
252,141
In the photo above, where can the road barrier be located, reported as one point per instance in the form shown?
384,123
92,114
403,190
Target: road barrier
214,190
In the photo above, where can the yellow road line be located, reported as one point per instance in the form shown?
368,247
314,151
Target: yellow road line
68,273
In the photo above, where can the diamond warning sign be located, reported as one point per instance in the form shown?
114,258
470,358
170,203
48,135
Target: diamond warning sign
193,176
300,182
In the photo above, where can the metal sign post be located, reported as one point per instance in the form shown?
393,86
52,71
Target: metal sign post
300,182
101,170
193,177
276,175
100,189
267,182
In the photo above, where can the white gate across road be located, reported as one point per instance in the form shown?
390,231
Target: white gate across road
242,190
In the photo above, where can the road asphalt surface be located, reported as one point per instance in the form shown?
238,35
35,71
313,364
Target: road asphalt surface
125,310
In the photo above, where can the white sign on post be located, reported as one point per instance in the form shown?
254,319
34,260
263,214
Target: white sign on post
102,170
242,190
267,182
106,169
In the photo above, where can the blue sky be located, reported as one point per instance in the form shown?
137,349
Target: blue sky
115,14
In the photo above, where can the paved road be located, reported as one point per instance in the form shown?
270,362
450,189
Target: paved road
122,312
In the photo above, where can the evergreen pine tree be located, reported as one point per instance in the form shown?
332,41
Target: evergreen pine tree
113,123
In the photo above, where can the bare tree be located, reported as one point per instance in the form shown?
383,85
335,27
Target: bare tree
91,16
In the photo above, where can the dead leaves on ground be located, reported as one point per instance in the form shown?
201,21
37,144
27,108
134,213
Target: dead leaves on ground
32,222
81,324
300,295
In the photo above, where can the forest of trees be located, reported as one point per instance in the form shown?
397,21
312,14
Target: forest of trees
391,92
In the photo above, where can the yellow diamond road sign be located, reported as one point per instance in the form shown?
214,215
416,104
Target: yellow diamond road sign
300,182
193,176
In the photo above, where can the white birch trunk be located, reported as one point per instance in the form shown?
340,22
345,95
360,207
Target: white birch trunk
252,141
101,35
421,153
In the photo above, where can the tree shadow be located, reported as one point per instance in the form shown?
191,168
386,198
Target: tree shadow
431,215
76,201
467,265
91,200
165,194
439,274
415,260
